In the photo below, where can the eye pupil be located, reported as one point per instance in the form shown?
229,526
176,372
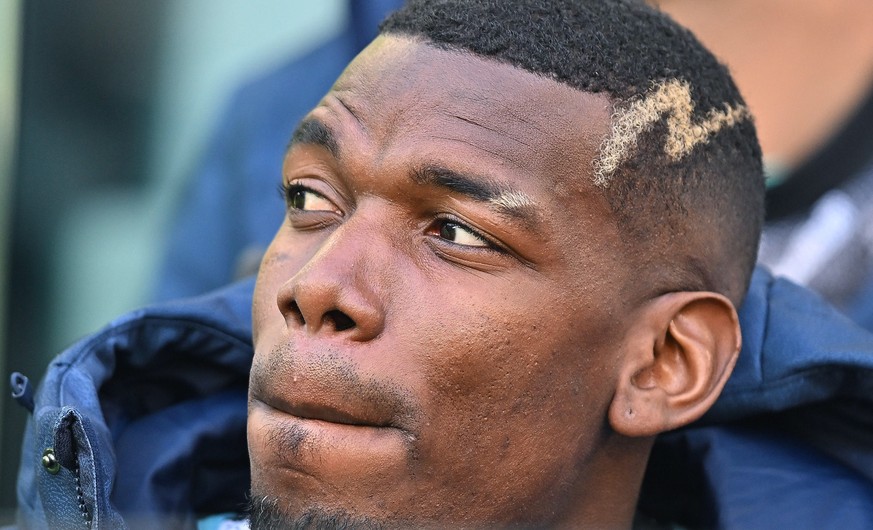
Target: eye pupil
447,231
298,199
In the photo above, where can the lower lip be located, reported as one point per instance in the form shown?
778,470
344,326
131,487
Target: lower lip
317,447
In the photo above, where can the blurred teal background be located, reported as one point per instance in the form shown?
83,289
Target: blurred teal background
104,108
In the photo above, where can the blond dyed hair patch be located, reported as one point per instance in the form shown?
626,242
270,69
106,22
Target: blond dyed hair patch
672,99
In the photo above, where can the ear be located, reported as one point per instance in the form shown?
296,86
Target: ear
678,358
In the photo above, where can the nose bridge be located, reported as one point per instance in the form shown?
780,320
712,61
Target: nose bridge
340,290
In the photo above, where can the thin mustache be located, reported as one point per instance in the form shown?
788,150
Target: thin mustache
332,379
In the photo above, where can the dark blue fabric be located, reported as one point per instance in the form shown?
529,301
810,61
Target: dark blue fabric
230,207
22,390
797,350
751,475
861,310
163,393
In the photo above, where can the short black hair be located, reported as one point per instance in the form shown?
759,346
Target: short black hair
681,169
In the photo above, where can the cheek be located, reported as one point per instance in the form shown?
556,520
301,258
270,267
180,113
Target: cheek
276,268
512,393
491,349
499,371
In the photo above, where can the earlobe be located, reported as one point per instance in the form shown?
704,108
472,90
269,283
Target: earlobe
677,359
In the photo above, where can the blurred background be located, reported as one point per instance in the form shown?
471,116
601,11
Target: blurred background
105,107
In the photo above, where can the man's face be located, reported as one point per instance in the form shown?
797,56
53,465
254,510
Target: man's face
437,321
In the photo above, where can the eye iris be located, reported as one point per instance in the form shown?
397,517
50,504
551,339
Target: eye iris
298,199
448,231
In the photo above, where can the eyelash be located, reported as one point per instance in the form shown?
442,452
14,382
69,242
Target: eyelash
490,245
287,190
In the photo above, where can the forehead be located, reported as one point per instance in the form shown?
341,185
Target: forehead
407,98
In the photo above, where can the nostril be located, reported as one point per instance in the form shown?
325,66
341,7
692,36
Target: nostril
339,320
294,310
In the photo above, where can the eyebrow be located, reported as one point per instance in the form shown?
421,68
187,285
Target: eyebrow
507,200
313,132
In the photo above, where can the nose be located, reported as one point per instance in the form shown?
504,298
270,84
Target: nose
337,291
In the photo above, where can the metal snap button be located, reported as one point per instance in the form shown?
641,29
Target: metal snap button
50,462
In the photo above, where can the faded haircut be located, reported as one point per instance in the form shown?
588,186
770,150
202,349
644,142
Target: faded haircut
681,167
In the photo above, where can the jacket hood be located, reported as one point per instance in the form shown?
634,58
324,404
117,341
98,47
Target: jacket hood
150,413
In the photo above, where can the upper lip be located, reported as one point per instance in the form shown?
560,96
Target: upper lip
314,388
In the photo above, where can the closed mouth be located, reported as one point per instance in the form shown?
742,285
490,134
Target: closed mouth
331,392
312,411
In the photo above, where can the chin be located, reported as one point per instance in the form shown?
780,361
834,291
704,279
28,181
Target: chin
266,513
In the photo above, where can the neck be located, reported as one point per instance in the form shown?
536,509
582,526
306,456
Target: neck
609,499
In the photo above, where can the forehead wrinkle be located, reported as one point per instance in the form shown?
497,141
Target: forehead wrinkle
522,116
526,121
496,142
502,133
474,145
347,106
525,132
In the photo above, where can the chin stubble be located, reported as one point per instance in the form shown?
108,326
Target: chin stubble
265,514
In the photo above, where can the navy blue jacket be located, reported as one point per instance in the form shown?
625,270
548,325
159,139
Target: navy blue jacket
150,414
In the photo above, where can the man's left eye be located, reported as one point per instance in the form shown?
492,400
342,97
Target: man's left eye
461,235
